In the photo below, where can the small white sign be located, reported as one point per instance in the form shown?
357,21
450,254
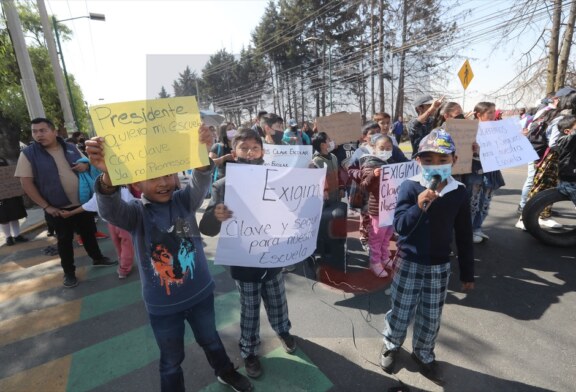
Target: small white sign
287,156
390,179
502,145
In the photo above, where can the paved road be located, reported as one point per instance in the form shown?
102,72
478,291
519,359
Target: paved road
514,333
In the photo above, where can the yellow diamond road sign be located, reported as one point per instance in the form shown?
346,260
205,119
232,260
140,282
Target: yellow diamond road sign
465,74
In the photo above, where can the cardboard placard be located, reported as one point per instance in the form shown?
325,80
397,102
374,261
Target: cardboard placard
9,185
342,127
463,133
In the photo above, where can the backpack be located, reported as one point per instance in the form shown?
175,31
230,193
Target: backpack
537,137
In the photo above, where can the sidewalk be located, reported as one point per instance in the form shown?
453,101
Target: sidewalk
35,220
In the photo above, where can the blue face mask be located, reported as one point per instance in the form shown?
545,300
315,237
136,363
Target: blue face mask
429,171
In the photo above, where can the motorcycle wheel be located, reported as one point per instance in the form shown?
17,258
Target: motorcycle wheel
563,212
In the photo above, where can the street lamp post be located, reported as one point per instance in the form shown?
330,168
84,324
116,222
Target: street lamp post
93,16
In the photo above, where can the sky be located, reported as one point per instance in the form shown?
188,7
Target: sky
144,44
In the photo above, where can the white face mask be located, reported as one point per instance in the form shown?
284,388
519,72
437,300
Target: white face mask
230,134
331,145
384,155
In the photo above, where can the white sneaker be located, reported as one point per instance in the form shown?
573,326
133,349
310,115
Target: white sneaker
481,234
378,270
520,224
548,222
477,239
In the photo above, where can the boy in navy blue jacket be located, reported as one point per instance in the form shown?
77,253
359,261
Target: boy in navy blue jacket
176,284
426,220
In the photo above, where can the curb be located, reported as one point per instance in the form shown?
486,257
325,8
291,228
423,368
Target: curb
33,227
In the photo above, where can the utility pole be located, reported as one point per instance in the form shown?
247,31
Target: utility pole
58,76
29,85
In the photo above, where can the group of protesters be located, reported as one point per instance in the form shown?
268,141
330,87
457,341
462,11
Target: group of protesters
157,218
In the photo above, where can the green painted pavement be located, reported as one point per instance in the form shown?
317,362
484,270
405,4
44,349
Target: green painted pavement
284,372
123,295
108,300
103,362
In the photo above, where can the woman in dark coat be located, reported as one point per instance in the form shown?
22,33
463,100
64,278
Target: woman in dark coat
11,210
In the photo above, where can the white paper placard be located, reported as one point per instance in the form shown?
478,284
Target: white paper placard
502,145
276,215
390,179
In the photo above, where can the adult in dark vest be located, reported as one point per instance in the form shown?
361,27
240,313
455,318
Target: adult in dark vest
48,173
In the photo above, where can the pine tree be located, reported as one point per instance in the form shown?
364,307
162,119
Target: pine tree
185,85
163,93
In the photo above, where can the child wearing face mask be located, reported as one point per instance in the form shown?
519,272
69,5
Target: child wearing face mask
370,170
426,220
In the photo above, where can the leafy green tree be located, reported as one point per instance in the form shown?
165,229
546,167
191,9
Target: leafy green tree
12,103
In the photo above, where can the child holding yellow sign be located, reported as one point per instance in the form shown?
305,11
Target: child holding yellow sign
176,284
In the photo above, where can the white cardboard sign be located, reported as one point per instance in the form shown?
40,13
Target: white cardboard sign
276,215
502,145
287,156
390,179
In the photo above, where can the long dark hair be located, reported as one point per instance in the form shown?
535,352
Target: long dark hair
483,107
442,111
222,136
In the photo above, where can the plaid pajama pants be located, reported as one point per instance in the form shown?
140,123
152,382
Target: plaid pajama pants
273,294
418,292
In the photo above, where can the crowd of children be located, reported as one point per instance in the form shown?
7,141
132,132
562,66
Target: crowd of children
153,222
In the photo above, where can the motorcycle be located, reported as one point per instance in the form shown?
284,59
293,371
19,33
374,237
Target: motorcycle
563,212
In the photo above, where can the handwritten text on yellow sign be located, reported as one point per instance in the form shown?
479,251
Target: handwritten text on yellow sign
149,139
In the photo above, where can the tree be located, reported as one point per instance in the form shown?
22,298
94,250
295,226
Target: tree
186,84
163,93
553,47
546,66
421,39
13,105
219,76
565,48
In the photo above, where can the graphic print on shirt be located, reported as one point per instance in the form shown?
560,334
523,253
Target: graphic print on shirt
173,255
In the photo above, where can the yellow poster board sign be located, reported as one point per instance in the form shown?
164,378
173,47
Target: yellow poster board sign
465,74
149,139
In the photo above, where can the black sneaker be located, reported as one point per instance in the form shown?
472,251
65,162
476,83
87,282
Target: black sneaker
388,359
252,366
235,380
19,238
288,342
10,241
70,281
104,262
429,370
